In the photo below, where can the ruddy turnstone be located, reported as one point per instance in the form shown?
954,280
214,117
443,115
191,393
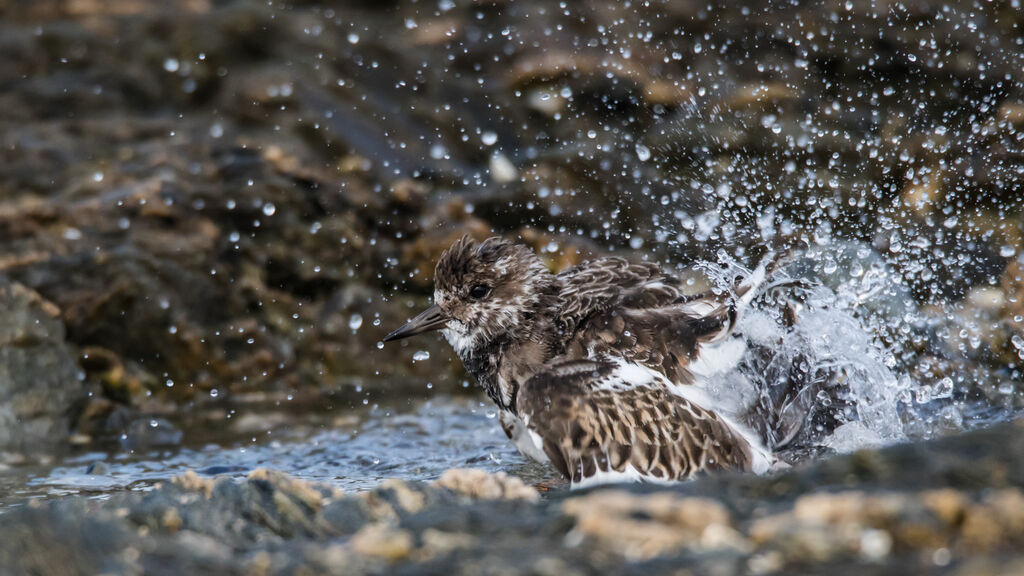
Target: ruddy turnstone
598,369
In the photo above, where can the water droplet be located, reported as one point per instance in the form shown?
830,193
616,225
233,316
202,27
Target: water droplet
944,389
643,152
420,355
823,398
1007,251
923,394
269,209
171,64
489,138
1017,340
355,321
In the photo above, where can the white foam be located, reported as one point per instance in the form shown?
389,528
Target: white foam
828,338
719,357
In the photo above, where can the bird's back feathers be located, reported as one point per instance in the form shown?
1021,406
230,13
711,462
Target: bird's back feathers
604,419
619,402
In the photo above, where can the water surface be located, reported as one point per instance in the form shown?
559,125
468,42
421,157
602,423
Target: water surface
416,442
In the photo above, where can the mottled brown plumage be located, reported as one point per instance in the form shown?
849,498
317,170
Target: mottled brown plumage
596,369
589,429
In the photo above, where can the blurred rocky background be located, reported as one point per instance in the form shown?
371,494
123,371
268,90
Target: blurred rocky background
222,199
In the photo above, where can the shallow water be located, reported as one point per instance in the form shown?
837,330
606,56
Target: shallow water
416,442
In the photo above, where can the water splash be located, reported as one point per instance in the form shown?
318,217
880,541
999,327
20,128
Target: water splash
827,348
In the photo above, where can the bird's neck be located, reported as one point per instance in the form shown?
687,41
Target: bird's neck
483,363
504,364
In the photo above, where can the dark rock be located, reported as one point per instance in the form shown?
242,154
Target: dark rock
149,432
90,544
904,508
97,468
347,515
39,382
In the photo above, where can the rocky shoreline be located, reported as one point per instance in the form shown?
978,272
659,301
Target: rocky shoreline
949,506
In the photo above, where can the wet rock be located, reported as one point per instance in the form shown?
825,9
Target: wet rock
89,543
103,366
145,433
997,522
642,527
480,485
855,524
97,468
819,518
39,381
347,516
192,482
382,542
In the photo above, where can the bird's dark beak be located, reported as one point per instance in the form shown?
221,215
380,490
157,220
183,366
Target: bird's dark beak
430,319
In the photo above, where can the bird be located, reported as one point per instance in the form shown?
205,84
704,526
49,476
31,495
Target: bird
598,370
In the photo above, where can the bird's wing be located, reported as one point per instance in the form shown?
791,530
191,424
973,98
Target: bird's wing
596,286
608,419
653,323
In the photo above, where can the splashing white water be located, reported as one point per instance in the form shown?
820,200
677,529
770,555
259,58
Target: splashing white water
832,357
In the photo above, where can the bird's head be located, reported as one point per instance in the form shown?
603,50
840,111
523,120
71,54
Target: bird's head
482,292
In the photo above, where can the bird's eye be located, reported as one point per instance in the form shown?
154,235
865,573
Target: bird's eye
479,291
